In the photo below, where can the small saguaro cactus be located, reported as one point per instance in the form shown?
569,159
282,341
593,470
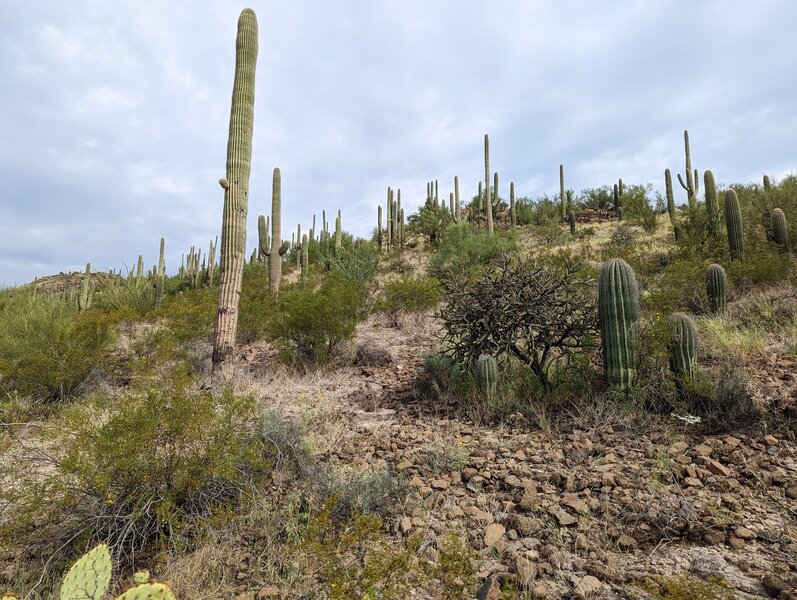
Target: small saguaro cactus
618,309
733,223
487,375
712,204
571,216
716,283
488,203
683,345
338,236
691,186
620,187
236,189
767,183
780,231
86,290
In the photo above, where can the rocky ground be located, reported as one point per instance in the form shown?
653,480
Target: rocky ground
592,510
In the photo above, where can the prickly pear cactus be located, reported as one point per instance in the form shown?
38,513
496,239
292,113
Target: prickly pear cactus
780,231
618,306
716,282
89,577
683,345
148,591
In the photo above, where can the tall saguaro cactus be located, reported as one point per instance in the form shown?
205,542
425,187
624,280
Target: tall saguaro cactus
487,201
562,200
733,223
236,189
780,231
455,216
512,211
691,185
278,249
671,205
618,308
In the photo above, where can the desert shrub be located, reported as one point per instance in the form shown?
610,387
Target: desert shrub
355,559
647,218
465,251
48,349
136,294
536,312
430,221
358,264
763,264
687,587
373,491
635,202
408,294
190,315
256,309
137,471
725,403
310,325
623,243
600,198
539,212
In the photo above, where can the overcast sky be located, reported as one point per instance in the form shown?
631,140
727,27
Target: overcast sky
114,115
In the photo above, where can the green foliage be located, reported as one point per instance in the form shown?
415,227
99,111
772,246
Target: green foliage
636,204
255,311
136,294
596,198
311,324
48,349
687,587
358,265
724,403
430,221
409,294
541,211
465,251
136,469
189,316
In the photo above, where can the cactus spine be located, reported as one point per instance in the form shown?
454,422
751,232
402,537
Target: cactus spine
780,231
512,211
712,204
236,189
487,201
691,185
618,307
572,218
716,282
733,223
683,345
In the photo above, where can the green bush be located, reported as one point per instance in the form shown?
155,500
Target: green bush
409,294
357,264
464,251
255,310
430,221
190,315
311,324
538,212
125,293
136,471
47,348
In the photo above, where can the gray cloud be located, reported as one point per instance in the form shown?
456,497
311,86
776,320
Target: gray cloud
114,115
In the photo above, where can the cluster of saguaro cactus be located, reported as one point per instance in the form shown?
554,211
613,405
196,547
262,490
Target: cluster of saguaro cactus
683,345
716,283
236,189
691,185
733,224
90,576
618,309
780,230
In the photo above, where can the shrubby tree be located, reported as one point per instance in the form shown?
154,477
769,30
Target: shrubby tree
536,312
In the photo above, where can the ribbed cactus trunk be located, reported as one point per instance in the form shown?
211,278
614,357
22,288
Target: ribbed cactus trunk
379,227
487,376
305,259
767,183
691,185
487,201
236,189
733,223
84,298
780,230
683,345
495,191
162,259
401,229
512,211
338,236
276,251
671,204
562,201
571,216
712,204
456,199
616,201
389,220
618,307
716,284
212,261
